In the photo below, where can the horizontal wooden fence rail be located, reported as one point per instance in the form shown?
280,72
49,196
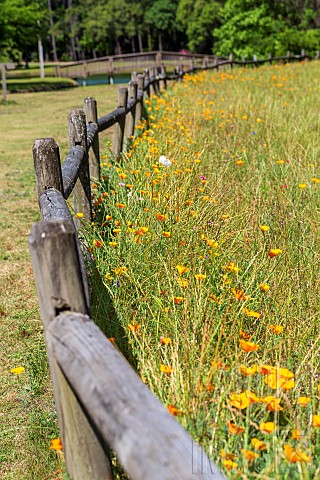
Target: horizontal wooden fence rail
127,63
186,61
101,402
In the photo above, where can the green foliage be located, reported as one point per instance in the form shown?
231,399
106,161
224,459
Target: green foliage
80,29
197,19
259,27
19,26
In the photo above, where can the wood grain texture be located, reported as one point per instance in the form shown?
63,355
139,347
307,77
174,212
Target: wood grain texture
57,269
132,100
46,157
71,168
110,119
53,207
118,133
148,441
82,190
90,109
3,82
60,287
139,107
92,129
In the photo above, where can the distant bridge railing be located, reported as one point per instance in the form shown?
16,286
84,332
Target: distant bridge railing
127,63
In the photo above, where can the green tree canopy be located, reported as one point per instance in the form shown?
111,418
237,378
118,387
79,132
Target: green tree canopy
198,19
259,27
20,25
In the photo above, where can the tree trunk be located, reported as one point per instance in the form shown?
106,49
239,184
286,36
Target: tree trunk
72,42
160,42
133,46
53,38
118,47
79,48
149,40
140,42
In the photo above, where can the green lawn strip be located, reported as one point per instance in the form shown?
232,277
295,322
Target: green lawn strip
28,418
244,151
27,85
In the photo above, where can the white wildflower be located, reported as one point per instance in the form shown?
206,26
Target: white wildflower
164,161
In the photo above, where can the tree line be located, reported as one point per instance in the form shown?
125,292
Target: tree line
80,29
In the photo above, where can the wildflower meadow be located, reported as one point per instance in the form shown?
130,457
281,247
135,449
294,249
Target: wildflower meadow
205,272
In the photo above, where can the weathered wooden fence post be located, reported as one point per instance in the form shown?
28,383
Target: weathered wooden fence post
111,71
134,76
158,58
146,75
118,133
231,60
270,58
163,77
133,92
139,106
155,79
82,190
84,74
4,82
90,110
60,288
47,166
255,60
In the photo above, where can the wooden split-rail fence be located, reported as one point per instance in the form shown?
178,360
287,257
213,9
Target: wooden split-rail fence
117,64
101,402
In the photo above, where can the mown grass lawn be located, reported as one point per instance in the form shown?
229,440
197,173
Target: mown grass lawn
27,412
206,238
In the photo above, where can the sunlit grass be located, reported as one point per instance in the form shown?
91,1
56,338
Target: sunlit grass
236,202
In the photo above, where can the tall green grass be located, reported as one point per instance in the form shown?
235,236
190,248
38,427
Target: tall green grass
244,151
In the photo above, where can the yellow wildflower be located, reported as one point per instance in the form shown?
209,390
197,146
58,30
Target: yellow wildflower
181,269
274,252
248,346
166,369
229,464
200,277
17,370
303,401
267,427
277,329
56,444
239,400
258,444
249,455
294,456
235,429
316,420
